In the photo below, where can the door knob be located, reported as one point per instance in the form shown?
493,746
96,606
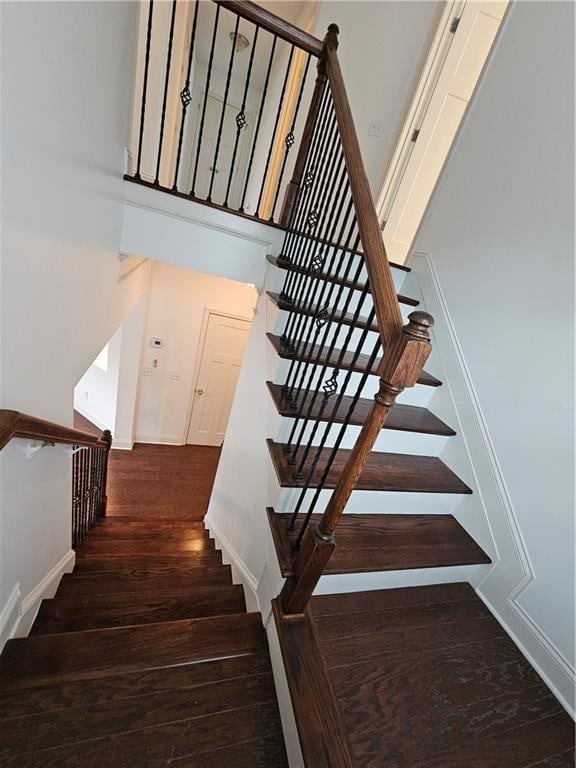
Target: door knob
199,391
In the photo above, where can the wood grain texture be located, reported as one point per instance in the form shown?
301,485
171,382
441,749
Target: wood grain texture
427,678
321,357
320,727
382,472
16,424
402,418
367,543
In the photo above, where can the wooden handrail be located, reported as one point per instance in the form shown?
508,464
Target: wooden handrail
274,24
16,424
381,283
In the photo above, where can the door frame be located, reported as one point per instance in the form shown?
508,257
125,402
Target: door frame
200,352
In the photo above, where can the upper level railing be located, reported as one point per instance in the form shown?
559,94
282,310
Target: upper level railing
89,464
344,322
219,103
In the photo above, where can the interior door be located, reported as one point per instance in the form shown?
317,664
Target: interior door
405,202
225,152
219,366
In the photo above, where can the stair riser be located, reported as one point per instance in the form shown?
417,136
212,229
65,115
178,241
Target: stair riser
390,440
371,502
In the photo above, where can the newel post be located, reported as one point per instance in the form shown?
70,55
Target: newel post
107,439
289,202
401,366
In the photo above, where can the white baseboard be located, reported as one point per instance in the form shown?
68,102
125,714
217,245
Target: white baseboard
10,616
231,556
43,590
122,445
159,439
512,571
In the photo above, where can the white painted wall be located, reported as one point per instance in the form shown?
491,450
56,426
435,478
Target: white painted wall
177,301
500,242
65,116
96,393
393,38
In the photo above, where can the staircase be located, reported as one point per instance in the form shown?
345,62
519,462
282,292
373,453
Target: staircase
146,654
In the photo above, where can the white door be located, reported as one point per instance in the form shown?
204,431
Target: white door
463,46
221,354
225,153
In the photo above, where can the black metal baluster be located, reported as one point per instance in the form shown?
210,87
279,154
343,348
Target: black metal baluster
75,499
258,121
337,366
273,139
308,216
145,87
313,464
166,84
289,140
186,96
241,117
206,95
223,114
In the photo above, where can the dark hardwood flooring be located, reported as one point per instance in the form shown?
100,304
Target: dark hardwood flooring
382,472
425,677
82,423
146,657
385,543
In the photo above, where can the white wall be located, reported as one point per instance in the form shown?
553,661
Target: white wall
500,239
383,46
66,91
96,393
177,301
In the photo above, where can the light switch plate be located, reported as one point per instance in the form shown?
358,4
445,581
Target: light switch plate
375,129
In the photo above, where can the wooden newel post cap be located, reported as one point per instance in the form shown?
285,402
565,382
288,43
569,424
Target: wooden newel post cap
107,436
419,323
331,38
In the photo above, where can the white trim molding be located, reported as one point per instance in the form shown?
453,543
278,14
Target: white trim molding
44,590
10,616
512,571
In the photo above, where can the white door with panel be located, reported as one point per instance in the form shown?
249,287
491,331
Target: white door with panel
461,48
221,352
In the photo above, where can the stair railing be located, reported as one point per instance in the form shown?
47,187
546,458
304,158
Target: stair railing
341,287
89,464
233,148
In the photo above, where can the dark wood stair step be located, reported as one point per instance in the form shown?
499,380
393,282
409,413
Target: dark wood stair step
81,724
127,580
267,752
179,561
73,614
404,418
385,543
284,264
382,471
109,688
153,546
311,309
186,740
31,661
312,352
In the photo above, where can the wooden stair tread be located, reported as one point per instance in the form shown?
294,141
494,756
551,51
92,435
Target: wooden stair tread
178,561
80,724
267,752
405,418
382,472
284,264
385,543
136,580
115,686
426,677
31,661
73,614
153,747
312,352
156,546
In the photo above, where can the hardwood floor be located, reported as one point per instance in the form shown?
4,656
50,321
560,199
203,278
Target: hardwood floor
426,677
146,657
